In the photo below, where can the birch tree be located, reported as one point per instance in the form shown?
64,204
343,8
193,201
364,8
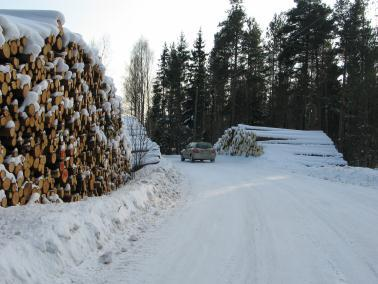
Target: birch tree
137,82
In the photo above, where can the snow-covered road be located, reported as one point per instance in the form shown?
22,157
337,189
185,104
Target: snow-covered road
245,221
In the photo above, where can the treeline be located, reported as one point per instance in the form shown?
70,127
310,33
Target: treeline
315,69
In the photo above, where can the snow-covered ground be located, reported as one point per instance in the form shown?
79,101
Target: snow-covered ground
47,243
279,218
246,221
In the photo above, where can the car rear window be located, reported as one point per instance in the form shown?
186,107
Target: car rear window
203,145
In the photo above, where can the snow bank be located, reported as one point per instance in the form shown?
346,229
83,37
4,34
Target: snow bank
41,242
348,175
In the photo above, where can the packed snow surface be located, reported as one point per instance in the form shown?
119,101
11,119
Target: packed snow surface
246,221
260,220
278,218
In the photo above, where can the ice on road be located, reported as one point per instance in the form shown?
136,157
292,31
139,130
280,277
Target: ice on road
245,221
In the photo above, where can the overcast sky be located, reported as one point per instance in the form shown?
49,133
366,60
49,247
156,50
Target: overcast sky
125,21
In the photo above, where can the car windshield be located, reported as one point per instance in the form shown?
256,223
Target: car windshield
203,145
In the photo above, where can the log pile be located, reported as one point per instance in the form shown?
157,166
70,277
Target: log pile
60,122
238,141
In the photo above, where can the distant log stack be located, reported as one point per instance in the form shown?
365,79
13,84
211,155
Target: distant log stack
60,124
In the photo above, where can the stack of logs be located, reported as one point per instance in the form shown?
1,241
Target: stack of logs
60,125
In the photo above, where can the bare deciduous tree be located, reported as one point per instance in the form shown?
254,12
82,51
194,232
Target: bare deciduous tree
102,45
137,82
139,143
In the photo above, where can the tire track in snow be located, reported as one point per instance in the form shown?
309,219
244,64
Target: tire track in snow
335,230
246,222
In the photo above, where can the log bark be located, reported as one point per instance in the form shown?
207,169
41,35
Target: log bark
51,140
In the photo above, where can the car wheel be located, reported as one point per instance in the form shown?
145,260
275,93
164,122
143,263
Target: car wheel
212,160
182,159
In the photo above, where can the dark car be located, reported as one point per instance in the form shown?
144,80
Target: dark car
198,151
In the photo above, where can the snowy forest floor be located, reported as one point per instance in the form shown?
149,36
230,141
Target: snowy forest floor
239,220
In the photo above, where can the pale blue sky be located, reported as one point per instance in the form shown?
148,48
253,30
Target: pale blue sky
124,21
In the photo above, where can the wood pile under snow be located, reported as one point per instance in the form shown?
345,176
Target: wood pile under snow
60,120
297,147
237,141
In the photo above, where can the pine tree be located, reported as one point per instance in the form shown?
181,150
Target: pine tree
277,74
226,71
308,28
316,71
357,47
232,29
252,106
219,87
237,72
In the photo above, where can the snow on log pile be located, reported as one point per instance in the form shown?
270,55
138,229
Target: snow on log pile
238,141
60,121
144,150
308,148
311,153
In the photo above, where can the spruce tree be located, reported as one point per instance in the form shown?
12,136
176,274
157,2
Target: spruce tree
177,87
157,116
197,96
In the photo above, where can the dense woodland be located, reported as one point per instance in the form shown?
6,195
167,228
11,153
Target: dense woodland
315,68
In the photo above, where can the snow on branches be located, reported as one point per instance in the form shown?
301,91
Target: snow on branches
237,141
